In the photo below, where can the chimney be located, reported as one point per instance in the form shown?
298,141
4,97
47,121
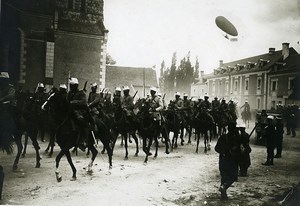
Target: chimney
201,74
221,63
285,50
271,50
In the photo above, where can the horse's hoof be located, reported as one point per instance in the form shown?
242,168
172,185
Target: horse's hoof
167,152
50,155
73,178
38,165
149,154
58,178
90,171
155,156
110,167
46,150
23,155
125,158
102,152
14,168
189,142
136,155
145,163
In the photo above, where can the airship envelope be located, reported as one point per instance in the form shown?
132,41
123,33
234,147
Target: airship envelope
226,26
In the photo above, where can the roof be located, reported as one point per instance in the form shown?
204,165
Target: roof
290,64
120,76
257,63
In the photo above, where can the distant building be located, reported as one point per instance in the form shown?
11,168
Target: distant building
199,89
264,80
46,41
138,79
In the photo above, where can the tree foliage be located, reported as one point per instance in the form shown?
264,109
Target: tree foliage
178,78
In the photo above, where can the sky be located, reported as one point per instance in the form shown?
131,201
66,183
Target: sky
143,33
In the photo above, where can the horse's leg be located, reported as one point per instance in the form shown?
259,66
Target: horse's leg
122,139
25,144
94,154
69,158
173,141
181,135
57,160
205,141
33,137
126,145
136,143
51,143
197,133
1,181
189,130
18,139
156,146
148,150
167,140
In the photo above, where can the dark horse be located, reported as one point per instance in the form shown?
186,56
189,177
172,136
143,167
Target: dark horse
25,118
149,128
66,135
203,123
173,123
123,126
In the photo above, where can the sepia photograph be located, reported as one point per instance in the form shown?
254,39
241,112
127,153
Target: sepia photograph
150,102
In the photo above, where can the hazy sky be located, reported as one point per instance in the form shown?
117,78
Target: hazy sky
145,32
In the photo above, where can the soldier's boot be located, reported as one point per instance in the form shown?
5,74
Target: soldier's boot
271,161
223,189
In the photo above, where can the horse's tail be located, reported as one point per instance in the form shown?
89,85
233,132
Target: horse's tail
6,143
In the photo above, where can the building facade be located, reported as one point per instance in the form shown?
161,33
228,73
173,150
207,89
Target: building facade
264,80
48,41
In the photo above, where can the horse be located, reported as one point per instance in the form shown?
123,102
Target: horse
149,128
246,117
123,126
203,123
173,123
26,123
66,134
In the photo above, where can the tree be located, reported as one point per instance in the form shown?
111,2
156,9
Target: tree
110,60
196,70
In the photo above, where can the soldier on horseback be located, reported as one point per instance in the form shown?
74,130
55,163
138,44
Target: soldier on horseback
155,104
39,97
127,104
215,104
93,100
117,96
186,107
246,107
205,107
79,112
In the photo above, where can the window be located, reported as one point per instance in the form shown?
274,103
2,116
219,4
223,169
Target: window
273,85
235,85
247,85
259,83
226,86
291,83
213,87
258,103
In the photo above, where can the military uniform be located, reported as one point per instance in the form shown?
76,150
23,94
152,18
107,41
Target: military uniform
215,104
93,101
245,161
269,134
156,105
38,100
279,137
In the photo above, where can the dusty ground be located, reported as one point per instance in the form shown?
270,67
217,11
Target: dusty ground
180,178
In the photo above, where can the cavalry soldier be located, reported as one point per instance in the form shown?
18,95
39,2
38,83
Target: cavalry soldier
178,102
93,100
246,107
205,105
162,100
127,104
269,133
155,104
117,96
186,107
79,112
223,106
215,104
39,97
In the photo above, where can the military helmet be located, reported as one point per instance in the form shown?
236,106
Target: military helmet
73,80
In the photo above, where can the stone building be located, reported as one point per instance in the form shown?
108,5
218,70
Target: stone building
46,41
264,80
138,79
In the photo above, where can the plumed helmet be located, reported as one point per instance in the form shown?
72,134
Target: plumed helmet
177,94
63,86
153,89
73,80
4,75
40,84
118,89
125,88
94,84
270,117
185,95
242,126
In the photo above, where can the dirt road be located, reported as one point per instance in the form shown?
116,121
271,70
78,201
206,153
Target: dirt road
180,178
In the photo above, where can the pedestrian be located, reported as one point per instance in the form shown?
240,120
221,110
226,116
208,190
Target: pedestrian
269,136
245,160
279,136
228,147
